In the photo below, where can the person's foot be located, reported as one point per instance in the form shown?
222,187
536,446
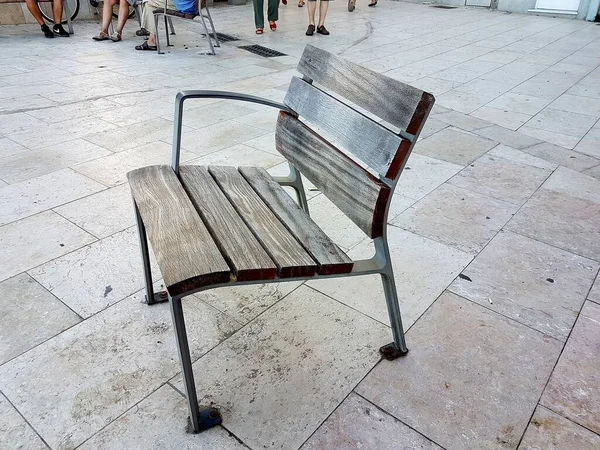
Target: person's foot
259,31
272,25
284,2
47,31
322,30
373,3
58,29
300,3
142,32
115,37
310,30
145,47
102,36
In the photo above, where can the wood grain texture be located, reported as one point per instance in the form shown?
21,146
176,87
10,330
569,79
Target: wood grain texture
389,99
372,143
330,258
242,251
186,253
283,248
349,186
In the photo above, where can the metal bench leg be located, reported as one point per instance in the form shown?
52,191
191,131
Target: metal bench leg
171,26
167,31
200,418
67,13
138,12
299,188
208,38
151,296
212,26
156,17
398,347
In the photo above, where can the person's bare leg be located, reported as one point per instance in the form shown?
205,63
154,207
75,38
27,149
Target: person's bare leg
312,9
34,9
123,15
107,14
57,10
323,7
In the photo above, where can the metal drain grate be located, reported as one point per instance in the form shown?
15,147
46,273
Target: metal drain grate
262,51
223,37
443,6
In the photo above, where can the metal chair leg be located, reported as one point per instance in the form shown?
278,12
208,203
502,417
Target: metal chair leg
212,26
138,12
156,17
398,347
167,31
208,38
171,26
200,418
67,12
299,188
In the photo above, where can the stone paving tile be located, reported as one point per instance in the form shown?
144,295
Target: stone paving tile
423,268
17,123
524,104
502,179
560,139
573,389
156,423
10,148
562,156
30,315
30,197
471,380
112,170
577,104
358,424
594,294
578,185
35,240
549,431
521,157
457,217
547,84
15,433
562,122
34,163
454,146
507,119
96,276
245,303
459,120
590,144
432,126
62,113
507,137
102,214
539,286
278,378
73,385
239,155
218,136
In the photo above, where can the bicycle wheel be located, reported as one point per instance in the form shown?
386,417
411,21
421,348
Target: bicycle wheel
46,9
115,12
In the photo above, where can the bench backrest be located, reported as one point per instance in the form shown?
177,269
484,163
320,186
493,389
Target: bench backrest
354,159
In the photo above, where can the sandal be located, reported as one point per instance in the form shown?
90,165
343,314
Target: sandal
145,46
102,36
115,37
351,5
300,3
273,26
259,31
142,32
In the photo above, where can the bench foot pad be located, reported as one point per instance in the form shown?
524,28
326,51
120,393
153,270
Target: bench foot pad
209,417
158,297
392,351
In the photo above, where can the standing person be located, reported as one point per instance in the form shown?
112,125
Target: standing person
272,14
352,4
57,11
312,9
107,17
183,6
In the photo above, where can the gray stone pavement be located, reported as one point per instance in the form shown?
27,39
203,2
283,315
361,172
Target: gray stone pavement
495,235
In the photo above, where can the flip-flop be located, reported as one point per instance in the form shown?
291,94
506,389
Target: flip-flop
259,31
145,46
273,26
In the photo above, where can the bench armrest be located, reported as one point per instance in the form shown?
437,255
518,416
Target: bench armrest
184,95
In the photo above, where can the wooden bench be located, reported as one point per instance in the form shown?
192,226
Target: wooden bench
172,13
66,10
221,226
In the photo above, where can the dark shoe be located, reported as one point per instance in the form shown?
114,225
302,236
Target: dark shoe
142,32
322,30
58,29
47,31
145,46
373,4
310,30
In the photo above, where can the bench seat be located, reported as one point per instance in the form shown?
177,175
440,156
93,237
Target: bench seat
215,225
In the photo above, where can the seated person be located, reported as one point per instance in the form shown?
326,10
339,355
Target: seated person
107,10
57,10
183,6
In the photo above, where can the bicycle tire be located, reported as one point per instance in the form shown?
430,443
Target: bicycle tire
46,10
131,12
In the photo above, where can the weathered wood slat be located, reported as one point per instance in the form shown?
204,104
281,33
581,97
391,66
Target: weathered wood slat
330,258
399,104
349,186
244,254
363,137
186,253
283,248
